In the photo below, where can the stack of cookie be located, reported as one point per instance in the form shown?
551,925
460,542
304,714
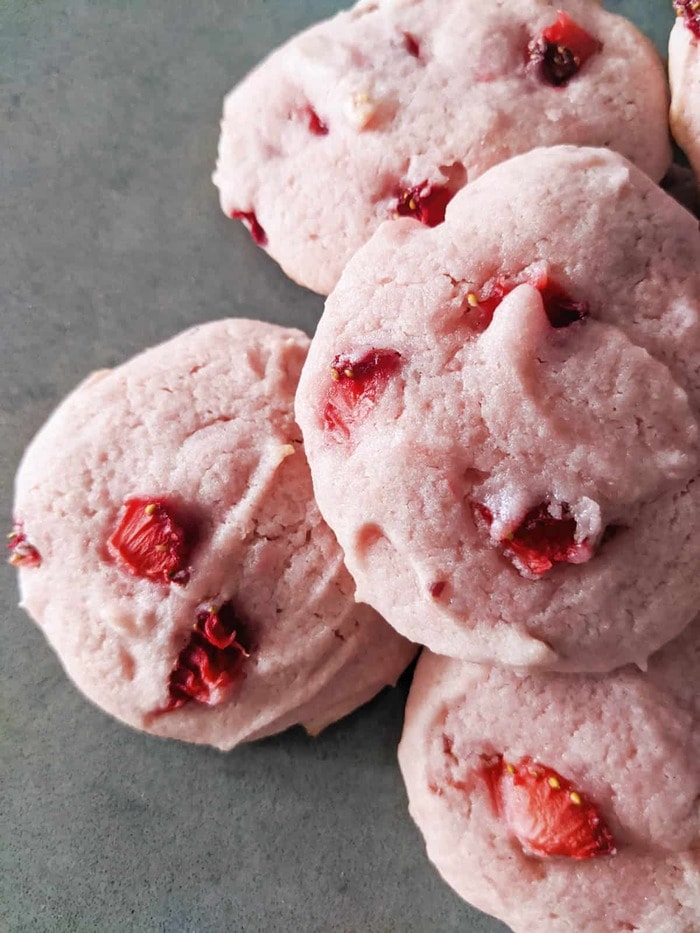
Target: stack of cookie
500,411
504,439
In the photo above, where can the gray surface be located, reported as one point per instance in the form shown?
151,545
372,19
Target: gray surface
112,240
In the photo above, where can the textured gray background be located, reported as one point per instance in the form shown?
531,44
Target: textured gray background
110,240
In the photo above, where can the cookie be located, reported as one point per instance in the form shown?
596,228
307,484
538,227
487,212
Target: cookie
389,108
500,415
684,71
170,549
562,802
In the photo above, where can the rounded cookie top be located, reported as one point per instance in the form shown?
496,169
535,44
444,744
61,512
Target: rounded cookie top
562,802
171,550
684,71
501,417
391,107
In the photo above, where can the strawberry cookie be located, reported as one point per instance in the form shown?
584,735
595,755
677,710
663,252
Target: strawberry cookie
684,70
500,415
562,803
170,548
389,108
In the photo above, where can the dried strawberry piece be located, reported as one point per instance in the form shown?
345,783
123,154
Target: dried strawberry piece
559,307
23,554
209,664
545,812
251,221
149,543
424,202
411,44
541,540
562,50
355,386
314,123
690,11
487,302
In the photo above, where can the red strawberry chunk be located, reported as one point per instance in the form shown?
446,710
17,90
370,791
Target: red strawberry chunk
541,540
314,123
251,221
545,812
561,50
424,202
355,386
410,43
488,301
559,307
209,664
149,543
22,553
690,11
568,33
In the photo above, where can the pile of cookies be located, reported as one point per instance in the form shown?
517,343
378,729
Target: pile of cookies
500,411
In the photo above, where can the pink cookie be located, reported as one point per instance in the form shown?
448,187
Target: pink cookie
171,550
684,70
501,417
390,107
562,803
